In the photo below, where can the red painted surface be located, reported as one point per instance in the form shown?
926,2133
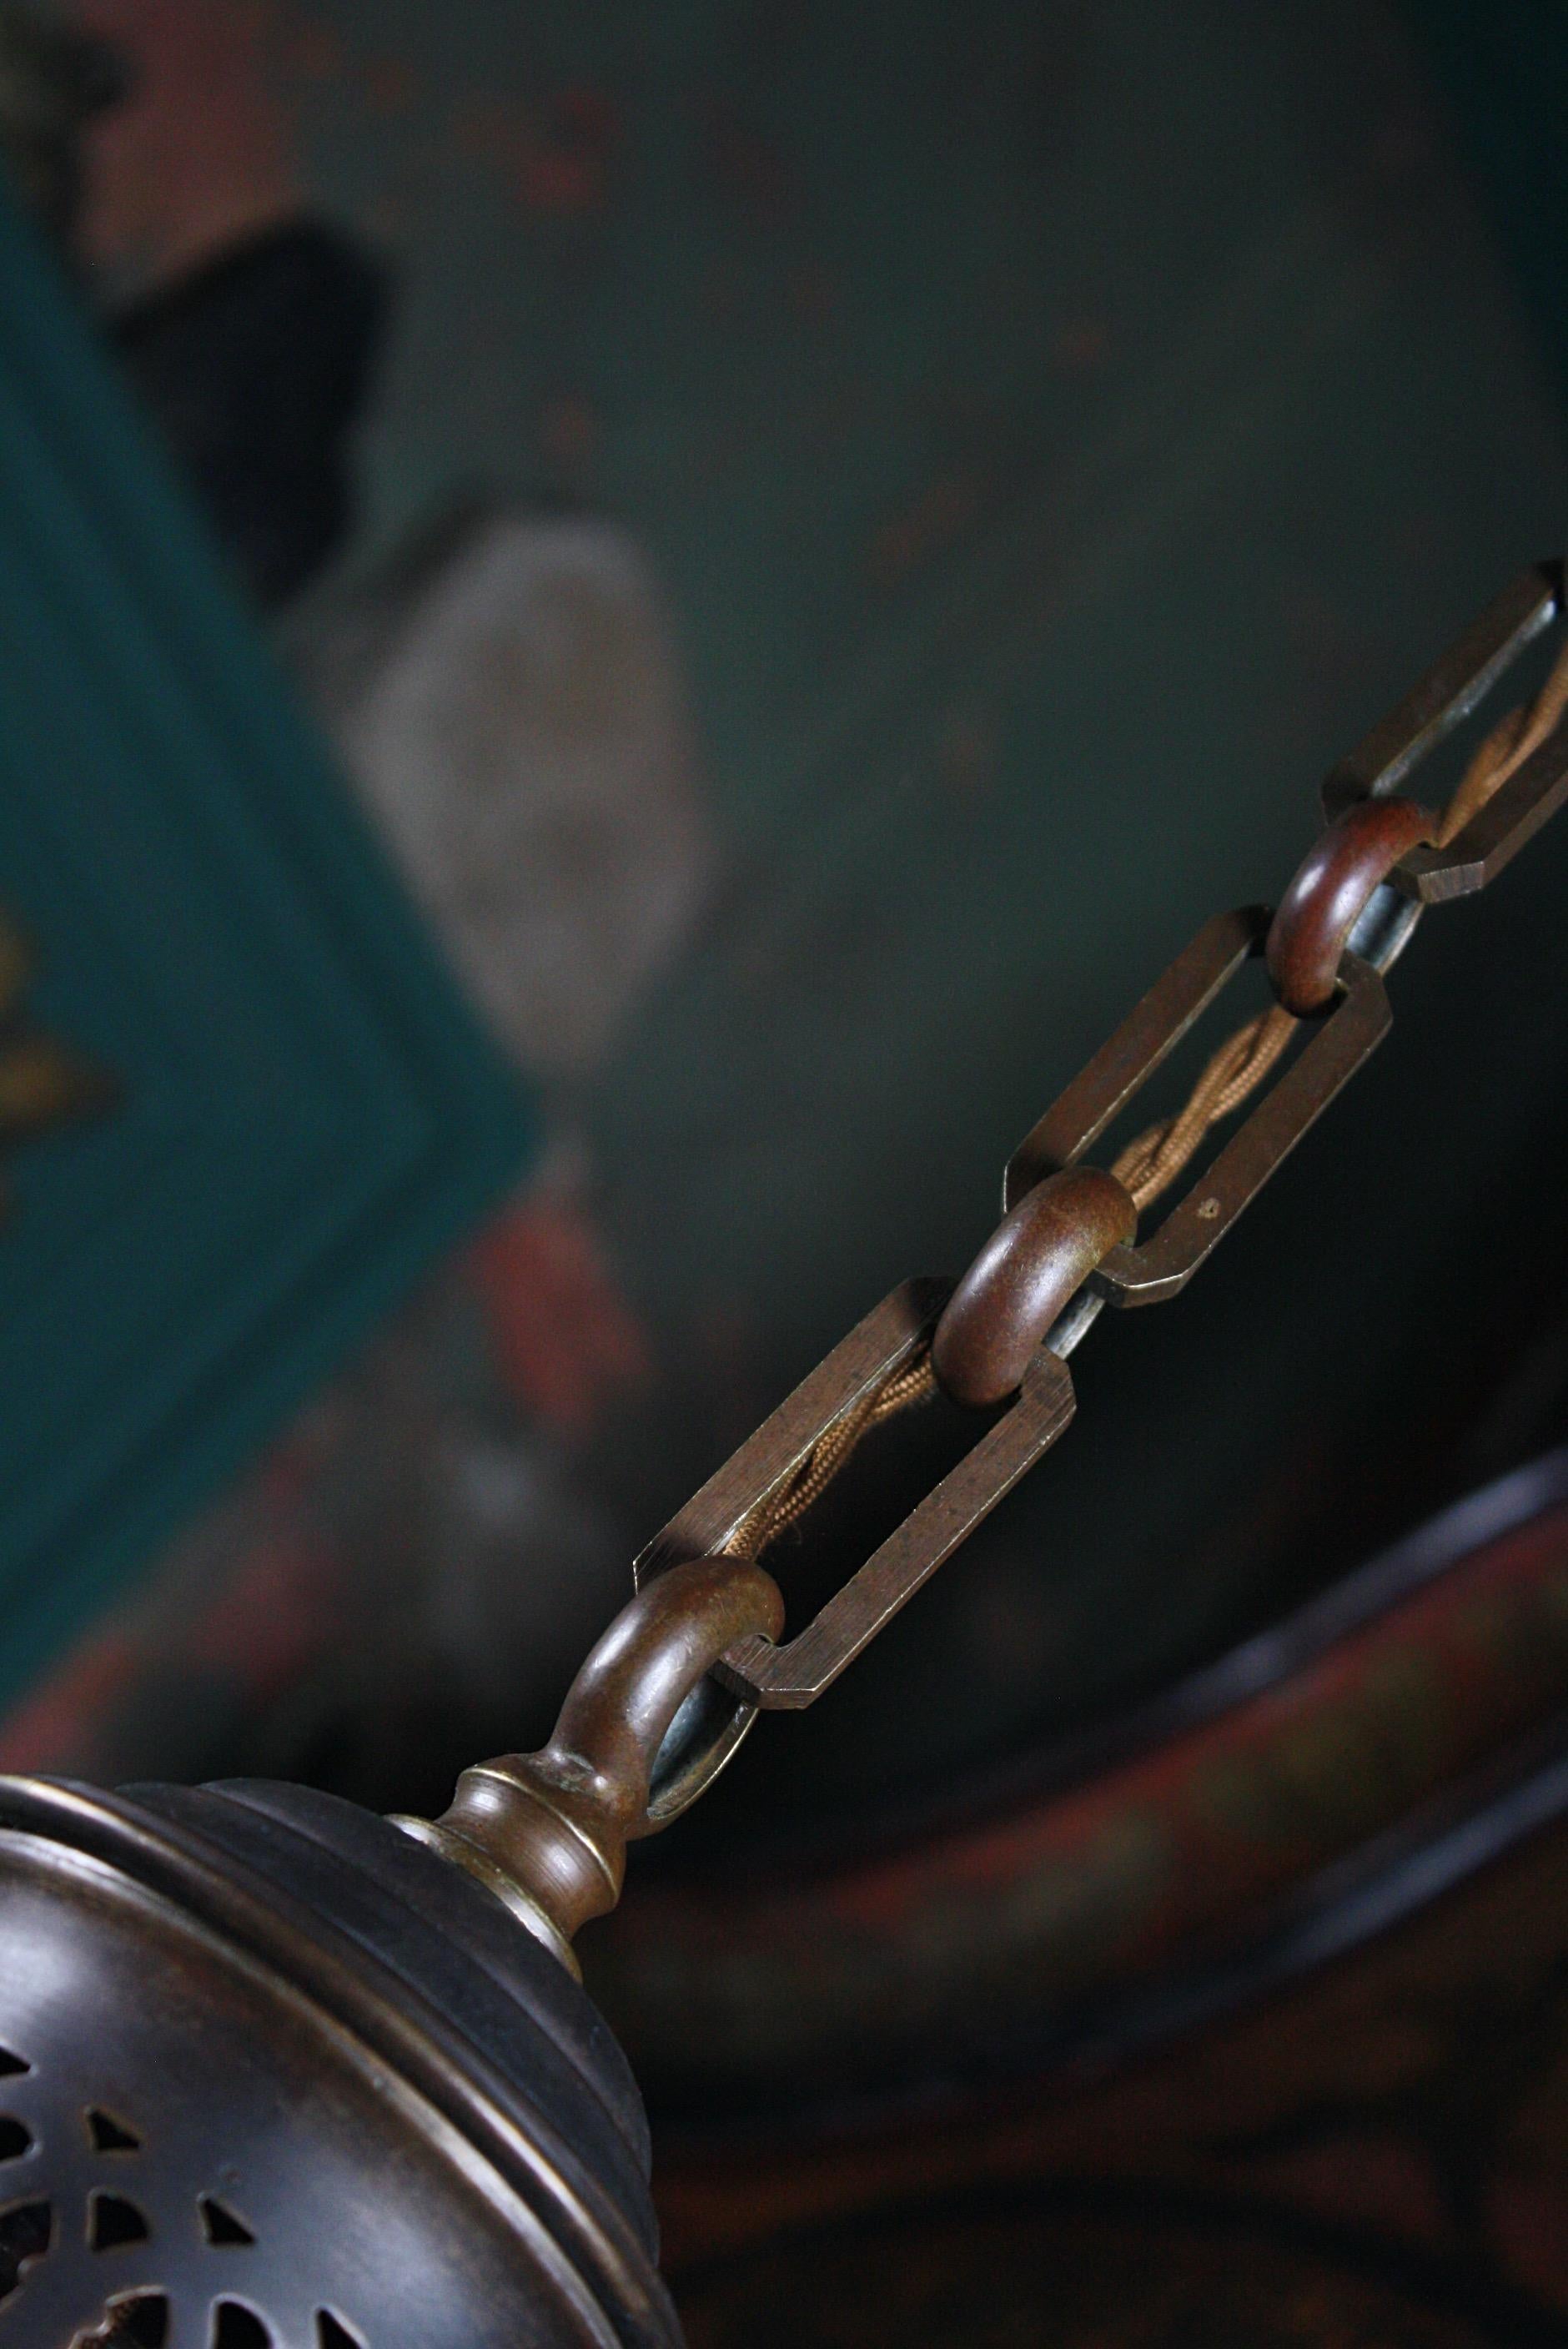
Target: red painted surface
1102,1881
1412,2097
46,1731
271,1621
199,154
567,1342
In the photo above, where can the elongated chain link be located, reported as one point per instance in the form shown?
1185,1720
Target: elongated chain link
1069,1240
914,1382
1505,750
548,1831
1148,1165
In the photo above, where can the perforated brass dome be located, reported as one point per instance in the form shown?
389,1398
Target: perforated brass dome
274,2077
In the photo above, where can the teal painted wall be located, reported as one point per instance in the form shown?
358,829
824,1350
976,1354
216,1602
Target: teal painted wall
307,1111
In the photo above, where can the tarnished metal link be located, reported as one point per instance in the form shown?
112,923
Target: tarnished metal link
1493,836
1513,784
679,1677
548,1832
1330,894
1024,1279
1152,1161
1156,1269
885,1344
1513,740
1069,1240
1456,682
909,1382
1382,930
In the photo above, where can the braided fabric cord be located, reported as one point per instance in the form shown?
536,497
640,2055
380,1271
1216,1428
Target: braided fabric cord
911,1382
1151,1162
1148,1165
1511,740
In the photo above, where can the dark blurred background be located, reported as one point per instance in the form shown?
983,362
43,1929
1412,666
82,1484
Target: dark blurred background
825,542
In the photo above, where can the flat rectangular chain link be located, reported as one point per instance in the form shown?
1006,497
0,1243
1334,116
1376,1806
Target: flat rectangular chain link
1495,833
1157,1269
788,1676
1457,681
1398,746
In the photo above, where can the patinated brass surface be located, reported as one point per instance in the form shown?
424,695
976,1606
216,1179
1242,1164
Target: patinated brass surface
272,2077
549,1831
648,1725
1024,1279
1330,894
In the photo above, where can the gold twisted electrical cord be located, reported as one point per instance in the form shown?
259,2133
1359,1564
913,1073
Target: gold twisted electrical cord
913,1382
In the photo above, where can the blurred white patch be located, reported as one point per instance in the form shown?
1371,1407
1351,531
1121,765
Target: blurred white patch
520,730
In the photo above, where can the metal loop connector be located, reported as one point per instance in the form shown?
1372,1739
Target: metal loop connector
676,1682
548,1832
1024,1279
1475,839
1330,892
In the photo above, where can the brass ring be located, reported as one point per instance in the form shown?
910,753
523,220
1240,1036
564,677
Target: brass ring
1030,1269
1329,895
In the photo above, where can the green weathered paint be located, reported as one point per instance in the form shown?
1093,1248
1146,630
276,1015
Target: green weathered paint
305,1109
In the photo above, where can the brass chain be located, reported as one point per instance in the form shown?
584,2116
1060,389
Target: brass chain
1151,1163
1068,1241
1148,1165
678,1679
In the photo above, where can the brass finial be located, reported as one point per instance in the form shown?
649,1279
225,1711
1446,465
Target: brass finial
548,1832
